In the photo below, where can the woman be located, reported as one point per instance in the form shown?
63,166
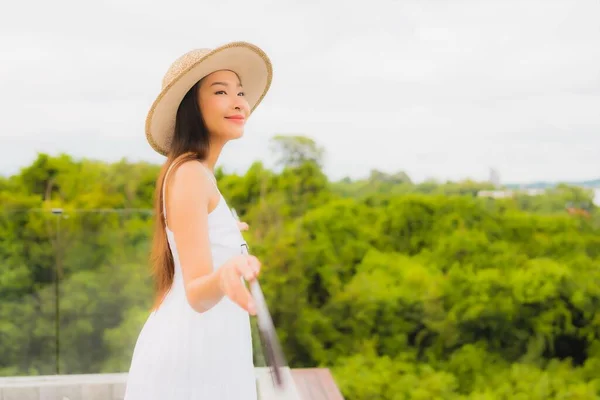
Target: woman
196,343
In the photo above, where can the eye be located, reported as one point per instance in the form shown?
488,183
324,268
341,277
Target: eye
220,91
241,94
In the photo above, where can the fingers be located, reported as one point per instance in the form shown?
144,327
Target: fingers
247,267
243,226
240,295
254,265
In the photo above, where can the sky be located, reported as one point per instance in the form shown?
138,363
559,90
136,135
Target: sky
439,89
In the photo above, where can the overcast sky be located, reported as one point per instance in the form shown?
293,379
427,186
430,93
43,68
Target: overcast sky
443,89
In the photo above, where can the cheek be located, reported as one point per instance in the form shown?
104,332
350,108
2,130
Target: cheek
211,113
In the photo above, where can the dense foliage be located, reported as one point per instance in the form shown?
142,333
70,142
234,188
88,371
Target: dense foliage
404,290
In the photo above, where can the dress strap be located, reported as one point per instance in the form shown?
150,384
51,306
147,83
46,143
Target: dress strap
163,194
211,176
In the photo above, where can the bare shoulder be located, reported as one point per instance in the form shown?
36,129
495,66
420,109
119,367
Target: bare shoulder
189,189
190,175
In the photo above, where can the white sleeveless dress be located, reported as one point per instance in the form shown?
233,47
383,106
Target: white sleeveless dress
181,354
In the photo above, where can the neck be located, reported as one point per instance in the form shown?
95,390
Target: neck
216,146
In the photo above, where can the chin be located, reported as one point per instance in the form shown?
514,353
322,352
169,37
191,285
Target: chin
234,135
230,134
237,134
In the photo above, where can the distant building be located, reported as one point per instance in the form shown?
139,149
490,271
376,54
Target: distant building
496,194
495,177
502,194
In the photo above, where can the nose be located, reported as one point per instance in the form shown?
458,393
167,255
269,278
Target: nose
238,106
238,103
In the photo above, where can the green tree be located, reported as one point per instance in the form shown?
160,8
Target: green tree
295,150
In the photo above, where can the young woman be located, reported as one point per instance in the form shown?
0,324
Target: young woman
196,343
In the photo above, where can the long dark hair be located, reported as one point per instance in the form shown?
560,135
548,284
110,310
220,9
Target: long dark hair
190,142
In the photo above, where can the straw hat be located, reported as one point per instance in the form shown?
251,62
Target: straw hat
249,62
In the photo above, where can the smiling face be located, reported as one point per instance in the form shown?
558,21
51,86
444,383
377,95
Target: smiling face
223,105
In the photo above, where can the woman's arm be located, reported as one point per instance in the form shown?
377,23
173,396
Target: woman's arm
188,201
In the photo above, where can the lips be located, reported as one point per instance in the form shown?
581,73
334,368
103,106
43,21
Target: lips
236,117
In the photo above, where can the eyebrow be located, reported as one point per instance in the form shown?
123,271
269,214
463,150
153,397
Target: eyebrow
223,83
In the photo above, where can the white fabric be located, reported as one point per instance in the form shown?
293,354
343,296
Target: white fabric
182,354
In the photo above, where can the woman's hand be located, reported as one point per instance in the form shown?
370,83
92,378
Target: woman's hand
246,266
243,226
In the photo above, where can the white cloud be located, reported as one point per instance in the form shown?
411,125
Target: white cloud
444,89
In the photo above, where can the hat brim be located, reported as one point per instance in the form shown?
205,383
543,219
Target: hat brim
249,62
